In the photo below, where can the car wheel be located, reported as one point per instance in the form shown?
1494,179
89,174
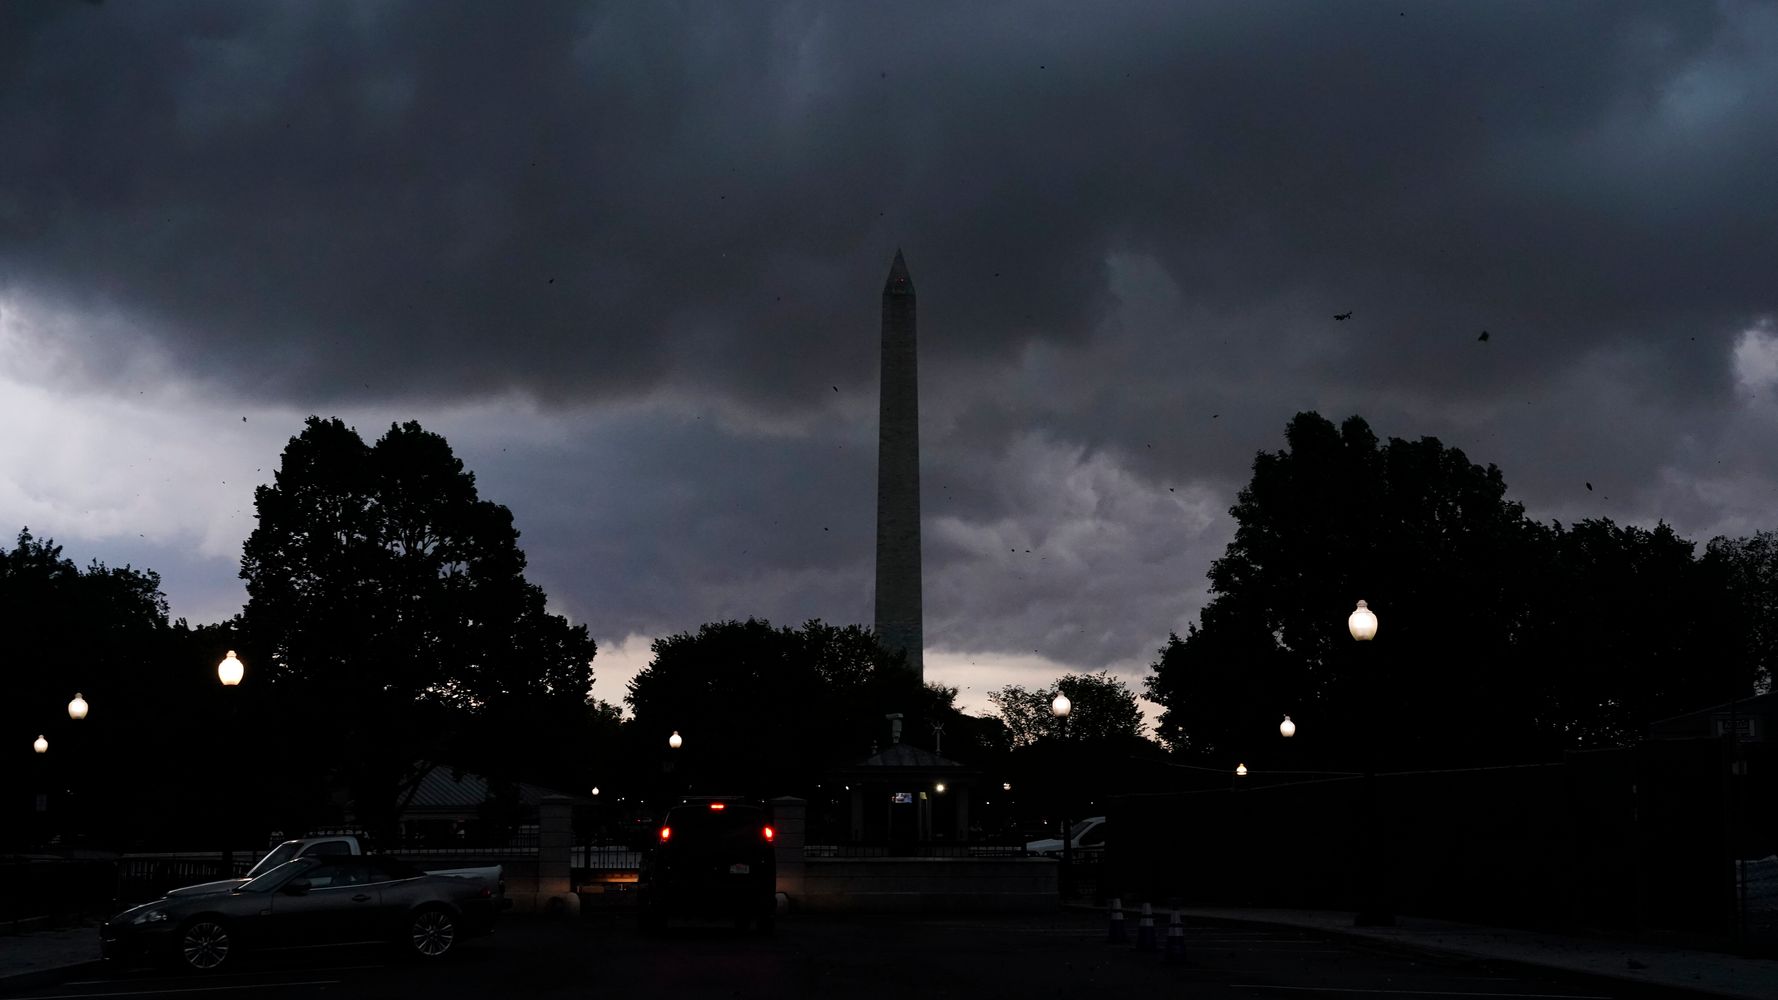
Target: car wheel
204,945
431,933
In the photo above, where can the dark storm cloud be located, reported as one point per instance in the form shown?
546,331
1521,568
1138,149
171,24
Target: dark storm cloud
1130,225
590,201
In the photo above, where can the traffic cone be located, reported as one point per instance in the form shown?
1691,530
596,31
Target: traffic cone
1115,934
1175,940
1145,929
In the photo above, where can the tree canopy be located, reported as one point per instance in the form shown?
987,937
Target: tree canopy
1103,710
389,600
101,632
1500,638
765,711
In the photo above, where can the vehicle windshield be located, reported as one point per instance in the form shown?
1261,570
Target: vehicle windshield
1079,828
278,855
275,877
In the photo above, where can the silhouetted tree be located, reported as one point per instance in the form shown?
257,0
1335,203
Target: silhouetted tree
1751,567
1059,772
1626,628
102,632
1500,638
1426,537
764,711
390,604
1103,710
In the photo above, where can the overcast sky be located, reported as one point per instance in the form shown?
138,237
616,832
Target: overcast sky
627,258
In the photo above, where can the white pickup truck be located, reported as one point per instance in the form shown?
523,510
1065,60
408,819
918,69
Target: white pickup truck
494,876
1087,836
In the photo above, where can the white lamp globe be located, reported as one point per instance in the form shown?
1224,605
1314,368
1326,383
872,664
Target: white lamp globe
674,741
40,745
1287,728
229,671
1061,706
1362,623
77,707
1241,769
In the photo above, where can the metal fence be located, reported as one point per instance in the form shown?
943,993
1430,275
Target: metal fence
141,877
472,839
914,850
605,858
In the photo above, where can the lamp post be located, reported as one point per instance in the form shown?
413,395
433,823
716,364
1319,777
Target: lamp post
230,671
669,762
1362,624
40,746
1061,707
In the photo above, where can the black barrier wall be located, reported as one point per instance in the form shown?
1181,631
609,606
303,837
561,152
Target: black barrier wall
1633,839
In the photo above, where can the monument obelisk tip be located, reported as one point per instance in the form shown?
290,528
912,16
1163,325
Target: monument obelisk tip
900,282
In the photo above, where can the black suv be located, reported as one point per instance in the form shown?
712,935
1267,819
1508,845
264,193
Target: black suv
711,858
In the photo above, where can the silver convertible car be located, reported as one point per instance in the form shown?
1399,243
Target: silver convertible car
309,901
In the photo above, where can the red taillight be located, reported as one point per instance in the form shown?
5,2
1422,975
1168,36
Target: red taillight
666,833
770,833
487,893
717,807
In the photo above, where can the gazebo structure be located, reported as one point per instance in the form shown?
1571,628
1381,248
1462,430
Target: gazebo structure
907,796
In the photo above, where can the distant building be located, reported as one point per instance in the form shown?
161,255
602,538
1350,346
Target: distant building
1750,718
455,807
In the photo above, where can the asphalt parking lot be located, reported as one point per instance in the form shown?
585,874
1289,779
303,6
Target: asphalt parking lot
1052,955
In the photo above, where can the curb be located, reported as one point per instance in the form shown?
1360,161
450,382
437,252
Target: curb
50,976
1411,947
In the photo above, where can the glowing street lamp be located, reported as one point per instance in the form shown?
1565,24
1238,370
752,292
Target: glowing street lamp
674,741
1287,728
40,744
1060,708
1241,770
1362,623
77,707
229,671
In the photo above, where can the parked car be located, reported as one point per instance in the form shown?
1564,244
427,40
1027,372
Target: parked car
306,901
711,858
334,845
1087,835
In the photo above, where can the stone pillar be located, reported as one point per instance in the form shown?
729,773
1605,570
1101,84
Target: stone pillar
898,611
555,857
790,820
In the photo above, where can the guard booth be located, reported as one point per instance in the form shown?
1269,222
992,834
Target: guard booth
907,798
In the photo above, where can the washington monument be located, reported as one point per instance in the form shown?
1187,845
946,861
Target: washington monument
898,625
